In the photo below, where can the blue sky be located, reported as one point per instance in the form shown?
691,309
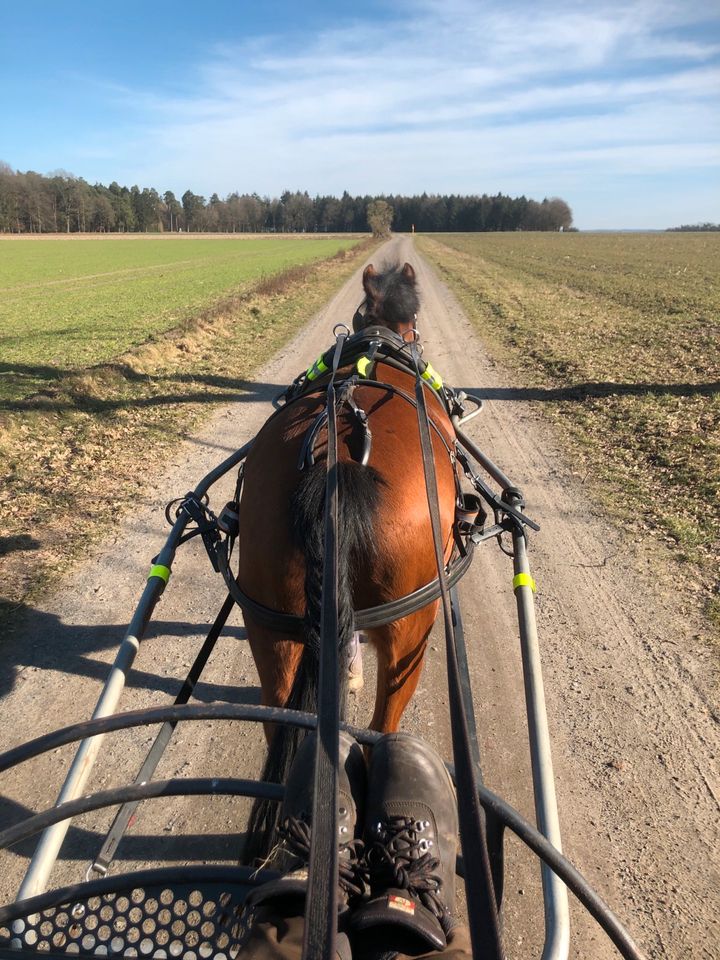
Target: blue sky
613,106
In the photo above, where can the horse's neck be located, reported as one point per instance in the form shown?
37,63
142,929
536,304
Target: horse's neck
402,329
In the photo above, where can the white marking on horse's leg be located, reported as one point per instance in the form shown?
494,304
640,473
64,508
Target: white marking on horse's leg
355,667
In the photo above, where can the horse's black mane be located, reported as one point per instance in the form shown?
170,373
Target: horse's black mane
396,293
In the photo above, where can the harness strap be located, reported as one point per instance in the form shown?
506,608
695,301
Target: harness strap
360,350
362,419
398,391
366,619
343,395
307,456
483,915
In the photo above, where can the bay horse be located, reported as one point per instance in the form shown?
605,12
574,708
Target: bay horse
385,539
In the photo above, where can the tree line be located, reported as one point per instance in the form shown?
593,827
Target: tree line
695,228
63,203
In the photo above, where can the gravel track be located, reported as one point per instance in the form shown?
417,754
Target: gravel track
629,688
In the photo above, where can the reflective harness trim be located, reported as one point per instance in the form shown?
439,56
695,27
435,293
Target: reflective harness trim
362,366
429,374
317,369
432,377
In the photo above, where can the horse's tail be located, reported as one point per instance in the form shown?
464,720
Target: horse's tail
358,489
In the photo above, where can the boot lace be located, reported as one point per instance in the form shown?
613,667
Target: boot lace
295,833
400,858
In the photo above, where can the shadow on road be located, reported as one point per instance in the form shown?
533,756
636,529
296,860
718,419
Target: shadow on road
84,845
14,376
584,391
37,639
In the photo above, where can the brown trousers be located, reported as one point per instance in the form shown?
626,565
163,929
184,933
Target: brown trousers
273,938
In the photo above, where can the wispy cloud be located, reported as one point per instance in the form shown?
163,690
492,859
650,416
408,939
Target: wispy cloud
448,96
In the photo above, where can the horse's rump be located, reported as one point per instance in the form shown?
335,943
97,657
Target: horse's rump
398,556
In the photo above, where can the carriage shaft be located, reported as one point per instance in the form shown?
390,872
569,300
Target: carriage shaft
557,915
48,848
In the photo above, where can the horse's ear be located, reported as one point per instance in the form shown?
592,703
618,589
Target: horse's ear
408,273
369,273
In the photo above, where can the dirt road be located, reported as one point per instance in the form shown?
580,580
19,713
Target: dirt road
629,689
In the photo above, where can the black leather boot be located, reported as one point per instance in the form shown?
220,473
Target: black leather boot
411,839
291,854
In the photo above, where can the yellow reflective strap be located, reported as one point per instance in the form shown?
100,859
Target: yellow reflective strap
158,570
316,369
523,580
432,377
362,365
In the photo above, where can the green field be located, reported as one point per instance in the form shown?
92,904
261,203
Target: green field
76,454
617,337
69,303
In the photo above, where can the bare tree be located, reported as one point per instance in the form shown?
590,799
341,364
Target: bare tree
380,217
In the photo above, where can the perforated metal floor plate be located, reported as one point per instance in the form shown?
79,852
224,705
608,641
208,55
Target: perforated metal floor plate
182,922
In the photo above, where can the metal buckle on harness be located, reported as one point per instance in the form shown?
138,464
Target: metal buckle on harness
470,515
229,519
206,525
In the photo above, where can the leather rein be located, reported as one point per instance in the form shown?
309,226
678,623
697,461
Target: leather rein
320,930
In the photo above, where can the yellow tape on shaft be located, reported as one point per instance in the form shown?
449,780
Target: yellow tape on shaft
523,580
158,570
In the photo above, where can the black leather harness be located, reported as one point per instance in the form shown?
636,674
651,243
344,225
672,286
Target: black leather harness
375,344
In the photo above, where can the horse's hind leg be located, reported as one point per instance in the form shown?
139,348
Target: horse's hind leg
400,649
277,659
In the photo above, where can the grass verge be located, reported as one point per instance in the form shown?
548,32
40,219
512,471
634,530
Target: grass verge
619,339
75,454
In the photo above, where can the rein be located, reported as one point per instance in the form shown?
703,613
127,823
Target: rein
320,929
479,888
320,936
